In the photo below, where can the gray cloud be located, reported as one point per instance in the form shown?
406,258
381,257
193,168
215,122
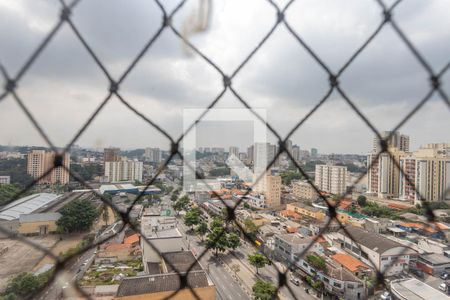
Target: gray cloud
385,81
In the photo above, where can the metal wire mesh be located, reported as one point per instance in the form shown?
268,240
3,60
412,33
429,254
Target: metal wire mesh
11,88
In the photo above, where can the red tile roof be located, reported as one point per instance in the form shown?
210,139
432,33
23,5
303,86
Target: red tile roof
349,262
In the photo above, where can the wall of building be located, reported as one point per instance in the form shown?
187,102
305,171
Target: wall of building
32,228
163,245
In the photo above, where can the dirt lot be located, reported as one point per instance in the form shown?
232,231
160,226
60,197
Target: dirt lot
61,246
20,257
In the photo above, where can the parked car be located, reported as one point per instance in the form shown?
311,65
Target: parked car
444,275
295,280
443,287
386,296
418,272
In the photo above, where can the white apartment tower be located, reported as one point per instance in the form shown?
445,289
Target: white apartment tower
331,179
124,170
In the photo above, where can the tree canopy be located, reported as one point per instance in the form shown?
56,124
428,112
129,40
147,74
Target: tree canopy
7,193
23,285
362,200
192,218
257,260
264,290
234,240
77,215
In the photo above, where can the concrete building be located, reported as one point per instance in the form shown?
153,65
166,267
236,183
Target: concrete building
296,152
273,191
388,256
397,140
38,224
5,179
40,161
331,179
303,190
414,289
111,154
234,151
288,246
314,152
163,280
432,176
123,170
153,155
336,279
164,236
433,263
379,225
384,176
307,211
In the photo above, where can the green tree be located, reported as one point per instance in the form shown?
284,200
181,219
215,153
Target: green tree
287,177
317,262
264,290
201,229
257,260
77,215
250,227
216,223
181,204
362,200
192,218
233,240
7,193
173,197
217,240
25,284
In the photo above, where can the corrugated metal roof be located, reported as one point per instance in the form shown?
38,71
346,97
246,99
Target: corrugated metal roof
39,217
26,205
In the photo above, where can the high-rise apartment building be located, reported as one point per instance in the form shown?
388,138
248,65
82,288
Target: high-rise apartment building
331,179
397,140
273,191
296,152
40,161
250,152
234,151
432,178
314,152
111,154
303,190
153,155
123,170
384,175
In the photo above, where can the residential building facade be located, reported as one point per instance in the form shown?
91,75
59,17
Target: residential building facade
123,170
331,179
40,161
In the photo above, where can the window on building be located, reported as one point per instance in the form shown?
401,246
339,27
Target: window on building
384,258
337,284
365,255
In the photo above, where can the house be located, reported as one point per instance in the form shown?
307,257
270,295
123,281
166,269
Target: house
353,265
132,240
115,252
38,224
375,250
336,279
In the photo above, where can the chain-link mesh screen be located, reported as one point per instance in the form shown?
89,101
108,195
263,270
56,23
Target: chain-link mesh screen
12,88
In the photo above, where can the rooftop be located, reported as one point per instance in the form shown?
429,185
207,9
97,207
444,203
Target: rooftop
304,206
349,262
39,217
436,259
413,289
161,283
180,261
295,239
370,240
26,205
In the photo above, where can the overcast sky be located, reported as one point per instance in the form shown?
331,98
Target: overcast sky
65,86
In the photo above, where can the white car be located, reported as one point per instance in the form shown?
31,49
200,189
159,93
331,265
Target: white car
386,296
443,287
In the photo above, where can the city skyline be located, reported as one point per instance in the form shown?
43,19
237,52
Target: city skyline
65,79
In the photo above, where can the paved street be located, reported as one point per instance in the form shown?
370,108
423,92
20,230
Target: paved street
227,287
